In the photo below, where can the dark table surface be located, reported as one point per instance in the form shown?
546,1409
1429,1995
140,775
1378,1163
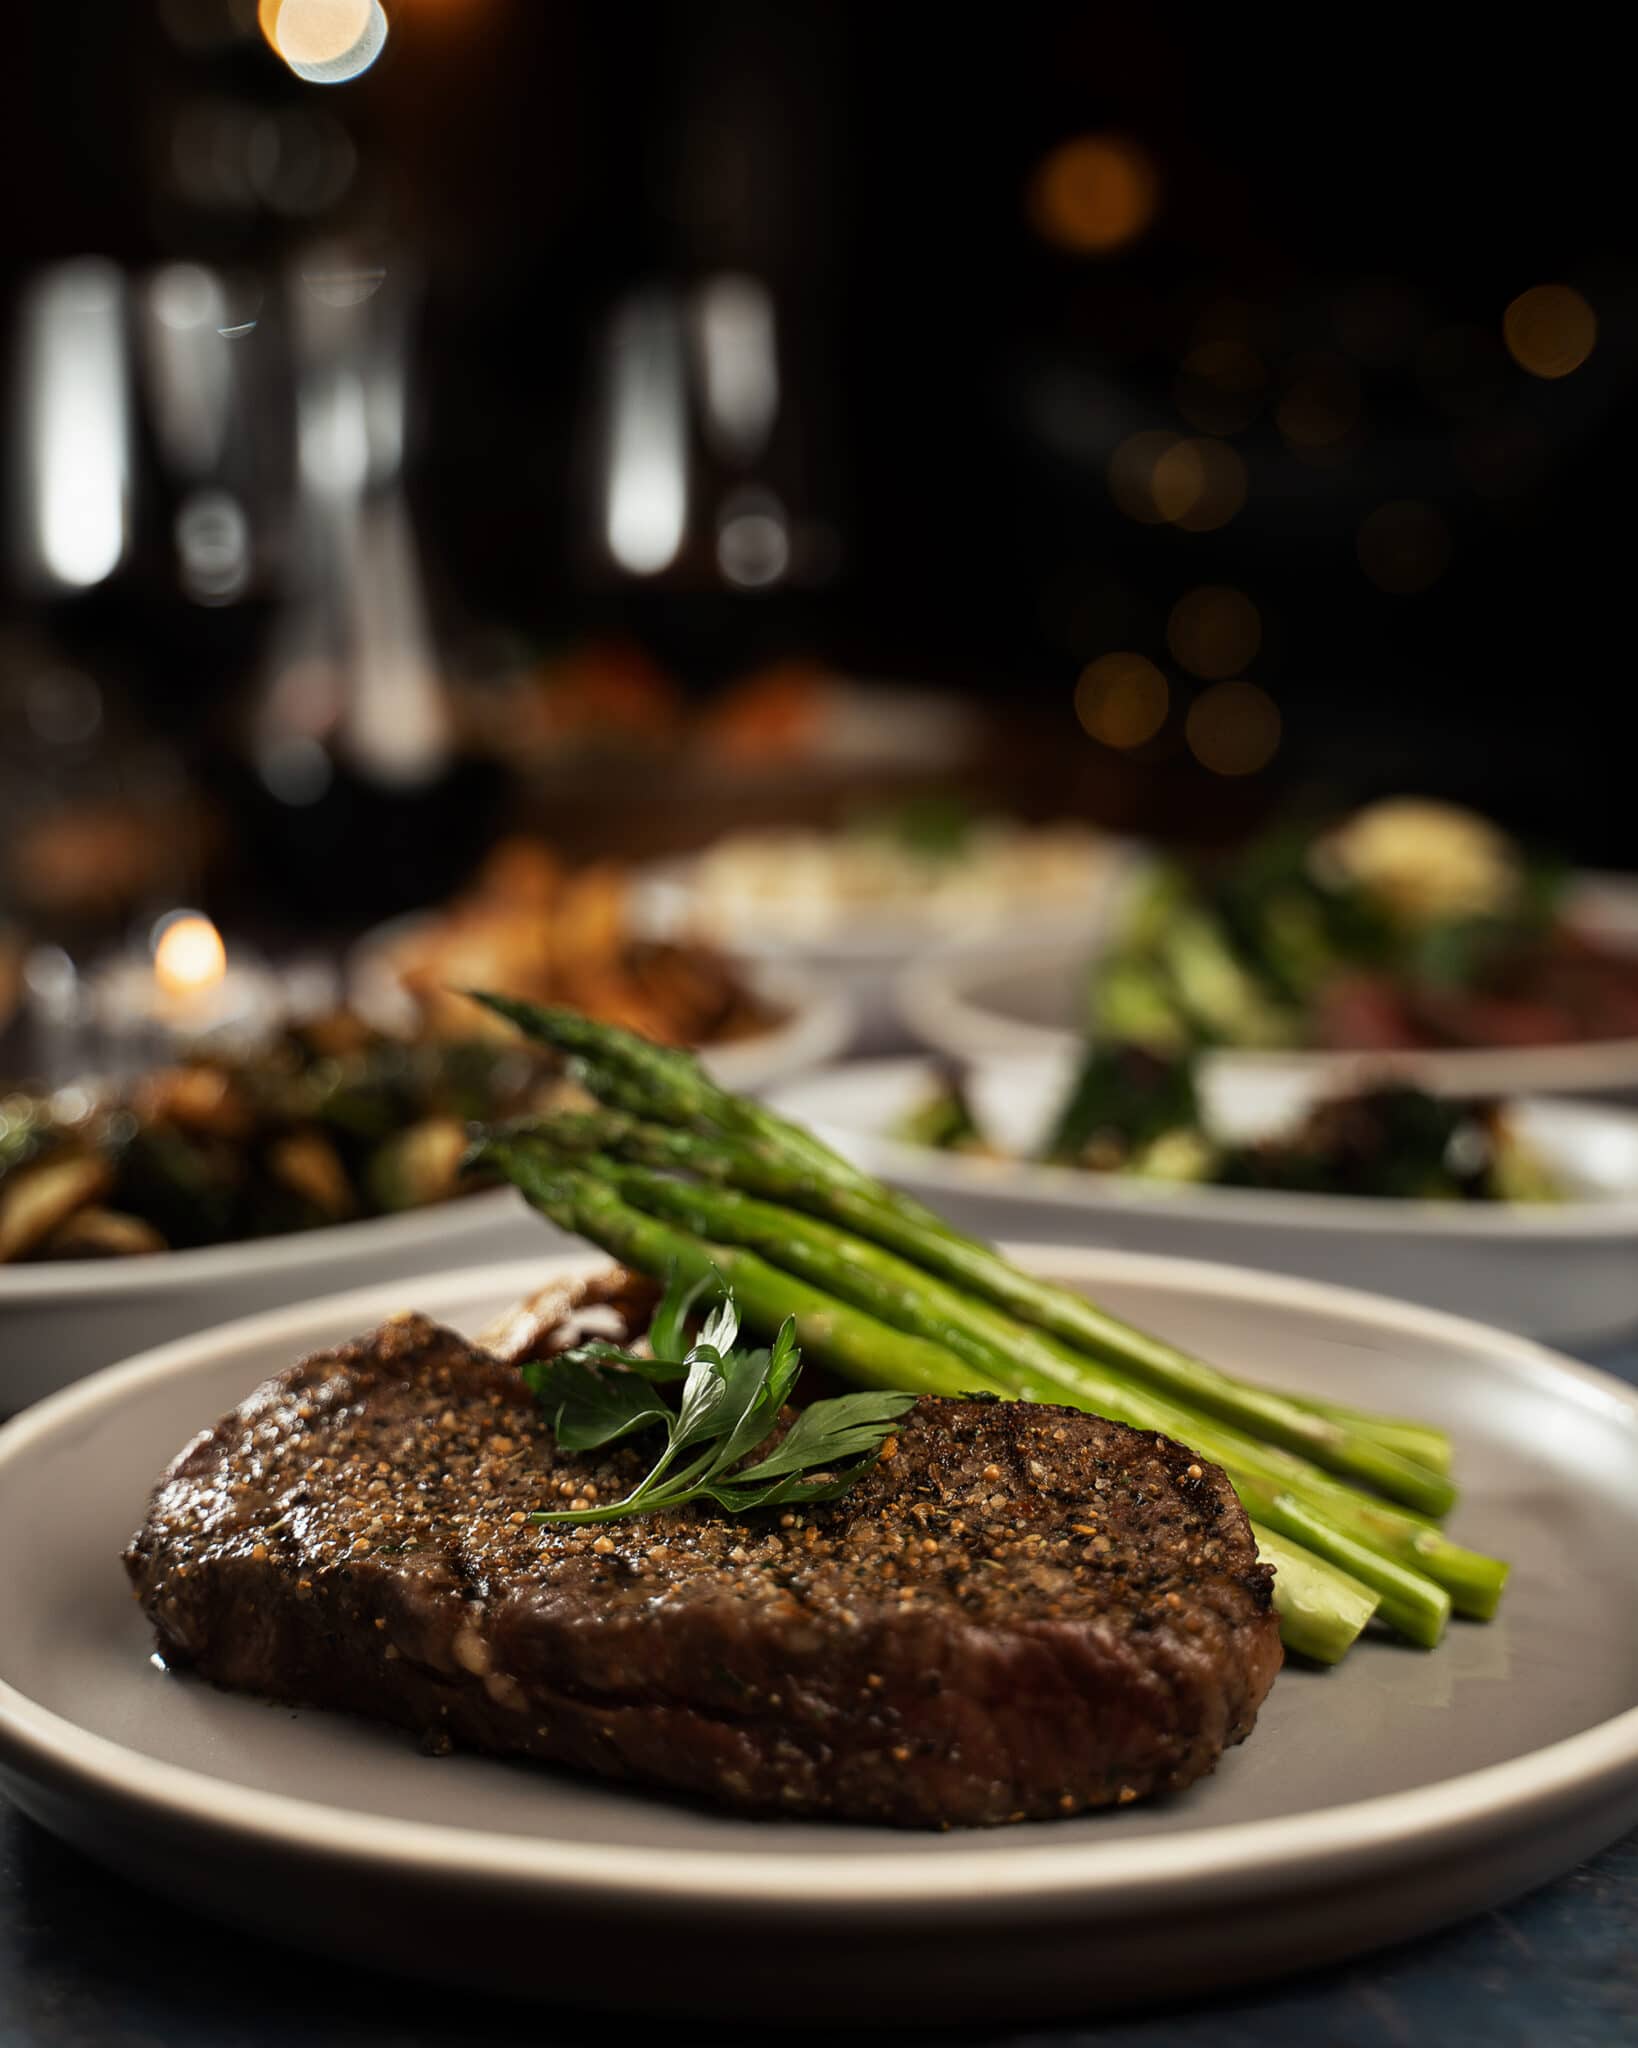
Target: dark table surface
89,1961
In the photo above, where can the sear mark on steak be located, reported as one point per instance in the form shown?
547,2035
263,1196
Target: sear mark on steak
1019,1612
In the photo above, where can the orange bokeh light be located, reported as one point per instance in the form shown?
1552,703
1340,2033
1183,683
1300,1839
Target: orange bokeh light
1094,194
1159,479
1214,631
1550,330
1122,699
1233,729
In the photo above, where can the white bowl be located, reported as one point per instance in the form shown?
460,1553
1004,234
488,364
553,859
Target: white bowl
1566,1269
865,952
62,1319
1031,1000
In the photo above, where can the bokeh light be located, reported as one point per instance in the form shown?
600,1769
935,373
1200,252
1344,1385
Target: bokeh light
1199,485
1220,386
1550,330
753,539
1214,631
1403,547
325,42
1233,728
188,953
1094,194
1122,699
1132,475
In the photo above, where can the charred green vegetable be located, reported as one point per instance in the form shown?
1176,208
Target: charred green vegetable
329,1122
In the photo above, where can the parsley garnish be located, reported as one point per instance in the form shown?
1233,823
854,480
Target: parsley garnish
728,1407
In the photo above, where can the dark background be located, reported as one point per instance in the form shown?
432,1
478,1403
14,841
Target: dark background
955,385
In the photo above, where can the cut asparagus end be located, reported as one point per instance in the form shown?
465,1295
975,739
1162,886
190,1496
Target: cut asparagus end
1322,1610
1409,1602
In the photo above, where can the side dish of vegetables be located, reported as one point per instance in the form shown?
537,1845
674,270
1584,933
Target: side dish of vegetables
1409,925
1138,1112
329,1123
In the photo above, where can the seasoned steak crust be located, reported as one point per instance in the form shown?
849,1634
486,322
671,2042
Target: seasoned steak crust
1019,1612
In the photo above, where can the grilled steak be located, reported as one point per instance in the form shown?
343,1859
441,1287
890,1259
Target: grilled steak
1018,1612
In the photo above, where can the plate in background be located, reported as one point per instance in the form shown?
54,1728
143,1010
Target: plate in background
1031,1001
868,946
1381,1799
1565,1269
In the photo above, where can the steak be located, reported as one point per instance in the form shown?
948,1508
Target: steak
1020,1611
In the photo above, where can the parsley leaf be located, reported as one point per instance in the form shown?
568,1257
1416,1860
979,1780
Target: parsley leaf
728,1408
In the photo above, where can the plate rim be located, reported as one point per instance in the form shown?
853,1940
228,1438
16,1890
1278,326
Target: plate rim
43,1746
70,1281
1091,1194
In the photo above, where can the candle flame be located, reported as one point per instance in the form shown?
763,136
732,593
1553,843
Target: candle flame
189,956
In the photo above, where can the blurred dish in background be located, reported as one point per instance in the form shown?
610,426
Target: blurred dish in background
921,874
1143,1114
893,883
612,697
531,926
790,742
1566,1267
1409,926
225,1183
1412,936
329,1123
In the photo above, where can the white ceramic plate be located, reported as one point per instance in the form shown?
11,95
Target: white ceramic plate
1565,1269
1031,1000
1397,1792
817,1024
865,950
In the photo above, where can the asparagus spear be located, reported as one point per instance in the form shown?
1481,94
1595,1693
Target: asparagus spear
851,1344
1407,1599
1322,1609
781,1159
761,1165
656,1080
1422,1441
614,1133
1032,1366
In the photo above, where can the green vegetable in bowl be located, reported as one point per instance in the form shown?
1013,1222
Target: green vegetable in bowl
329,1122
943,1120
1406,924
